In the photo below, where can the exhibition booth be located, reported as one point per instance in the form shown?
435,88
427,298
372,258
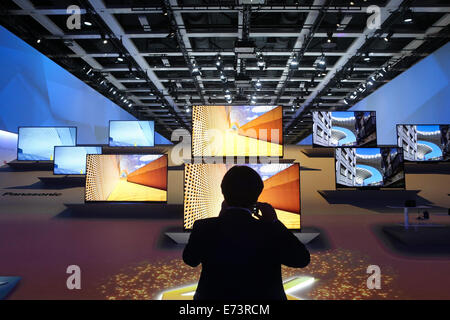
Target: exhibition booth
84,182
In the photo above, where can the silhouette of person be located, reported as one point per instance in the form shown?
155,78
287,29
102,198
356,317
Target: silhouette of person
241,253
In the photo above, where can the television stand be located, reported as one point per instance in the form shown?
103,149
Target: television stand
406,213
183,237
68,181
31,165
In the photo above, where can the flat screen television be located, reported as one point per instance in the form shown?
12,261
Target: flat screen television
344,129
369,168
131,133
38,143
126,178
72,160
220,131
424,143
203,196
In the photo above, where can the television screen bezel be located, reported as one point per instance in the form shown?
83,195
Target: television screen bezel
124,201
109,134
369,187
314,145
299,193
18,137
81,146
234,156
419,124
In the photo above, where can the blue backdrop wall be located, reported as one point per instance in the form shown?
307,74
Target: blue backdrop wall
35,91
420,95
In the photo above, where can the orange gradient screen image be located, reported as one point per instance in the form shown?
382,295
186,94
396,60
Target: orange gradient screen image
126,177
237,131
203,195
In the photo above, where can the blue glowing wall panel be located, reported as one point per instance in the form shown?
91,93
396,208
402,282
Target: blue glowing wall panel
35,91
72,160
420,95
38,143
132,134
8,147
160,140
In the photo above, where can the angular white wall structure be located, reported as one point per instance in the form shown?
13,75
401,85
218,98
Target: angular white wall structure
35,91
420,95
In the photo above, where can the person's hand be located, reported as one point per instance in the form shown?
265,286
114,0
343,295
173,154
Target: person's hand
268,213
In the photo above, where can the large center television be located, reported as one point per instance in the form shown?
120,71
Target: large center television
126,178
240,131
203,196
424,143
131,133
344,129
369,168
38,143
72,160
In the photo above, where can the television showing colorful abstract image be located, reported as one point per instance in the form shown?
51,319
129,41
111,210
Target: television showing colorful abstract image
369,167
38,143
424,142
203,195
126,177
131,133
72,160
342,128
237,131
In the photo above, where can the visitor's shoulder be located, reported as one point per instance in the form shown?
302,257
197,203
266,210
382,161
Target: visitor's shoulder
202,223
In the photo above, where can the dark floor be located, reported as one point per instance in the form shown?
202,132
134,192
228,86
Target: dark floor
131,258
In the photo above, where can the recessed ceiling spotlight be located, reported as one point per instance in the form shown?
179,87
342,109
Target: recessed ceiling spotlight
388,36
196,71
329,37
322,60
294,61
408,16
260,62
219,61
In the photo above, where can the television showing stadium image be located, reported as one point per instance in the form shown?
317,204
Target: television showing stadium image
203,195
237,131
131,133
72,160
424,142
38,143
126,177
369,167
342,128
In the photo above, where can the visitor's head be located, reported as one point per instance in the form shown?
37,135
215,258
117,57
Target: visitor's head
241,186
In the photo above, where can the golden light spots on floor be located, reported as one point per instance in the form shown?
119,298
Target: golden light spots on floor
338,274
